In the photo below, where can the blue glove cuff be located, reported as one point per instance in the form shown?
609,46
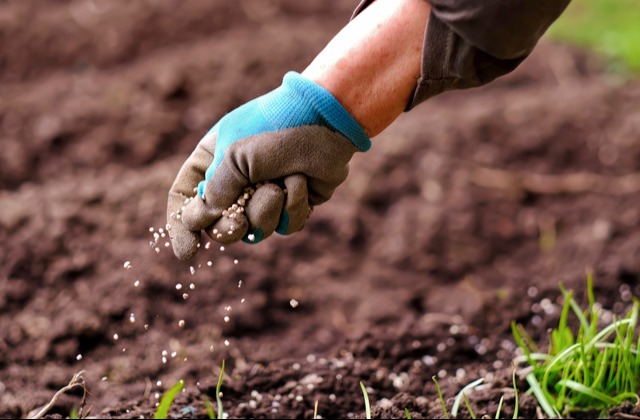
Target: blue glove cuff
312,103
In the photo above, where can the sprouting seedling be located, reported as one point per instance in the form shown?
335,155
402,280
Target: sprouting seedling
407,413
315,410
586,370
210,412
167,400
367,407
462,395
442,402
515,391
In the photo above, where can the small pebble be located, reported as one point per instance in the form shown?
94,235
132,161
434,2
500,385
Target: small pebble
181,323
127,264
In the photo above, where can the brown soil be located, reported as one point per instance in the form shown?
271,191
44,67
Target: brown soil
467,212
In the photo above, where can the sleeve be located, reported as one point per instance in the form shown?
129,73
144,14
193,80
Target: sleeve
470,43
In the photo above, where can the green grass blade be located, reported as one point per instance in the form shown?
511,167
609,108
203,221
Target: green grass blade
499,407
460,396
584,325
407,413
218,388
167,400
472,413
515,391
367,407
548,408
210,412
576,386
444,406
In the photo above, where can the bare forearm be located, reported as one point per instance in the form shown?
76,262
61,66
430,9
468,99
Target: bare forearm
372,65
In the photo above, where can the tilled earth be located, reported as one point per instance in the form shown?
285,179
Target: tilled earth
464,216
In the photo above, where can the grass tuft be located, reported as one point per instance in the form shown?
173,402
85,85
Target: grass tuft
591,369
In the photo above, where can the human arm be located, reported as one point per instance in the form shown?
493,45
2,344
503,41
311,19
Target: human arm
300,137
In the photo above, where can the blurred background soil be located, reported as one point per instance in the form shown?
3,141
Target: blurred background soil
465,215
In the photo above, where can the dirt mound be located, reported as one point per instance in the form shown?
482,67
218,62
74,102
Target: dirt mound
466,213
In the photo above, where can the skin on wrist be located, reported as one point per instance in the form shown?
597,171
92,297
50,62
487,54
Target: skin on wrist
372,65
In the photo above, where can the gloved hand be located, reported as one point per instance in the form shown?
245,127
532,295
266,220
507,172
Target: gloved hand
292,145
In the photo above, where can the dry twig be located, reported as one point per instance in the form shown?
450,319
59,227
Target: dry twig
77,380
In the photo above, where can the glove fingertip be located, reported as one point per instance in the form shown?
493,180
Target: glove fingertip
283,223
185,246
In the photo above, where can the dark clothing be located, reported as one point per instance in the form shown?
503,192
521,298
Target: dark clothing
469,43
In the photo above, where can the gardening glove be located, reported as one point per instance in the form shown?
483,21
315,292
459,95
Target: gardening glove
263,167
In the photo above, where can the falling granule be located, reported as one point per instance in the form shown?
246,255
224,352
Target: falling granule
124,349
79,357
132,318
192,286
227,308
293,303
235,261
157,395
207,245
136,283
104,378
226,342
240,284
209,263
193,270
184,360
181,323
174,354
226,318
251,237
159,383
166,244
178,286
164,359
242,300
115,337
146,326
151,229
211,348
127,265
157,250
222,248
185,296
